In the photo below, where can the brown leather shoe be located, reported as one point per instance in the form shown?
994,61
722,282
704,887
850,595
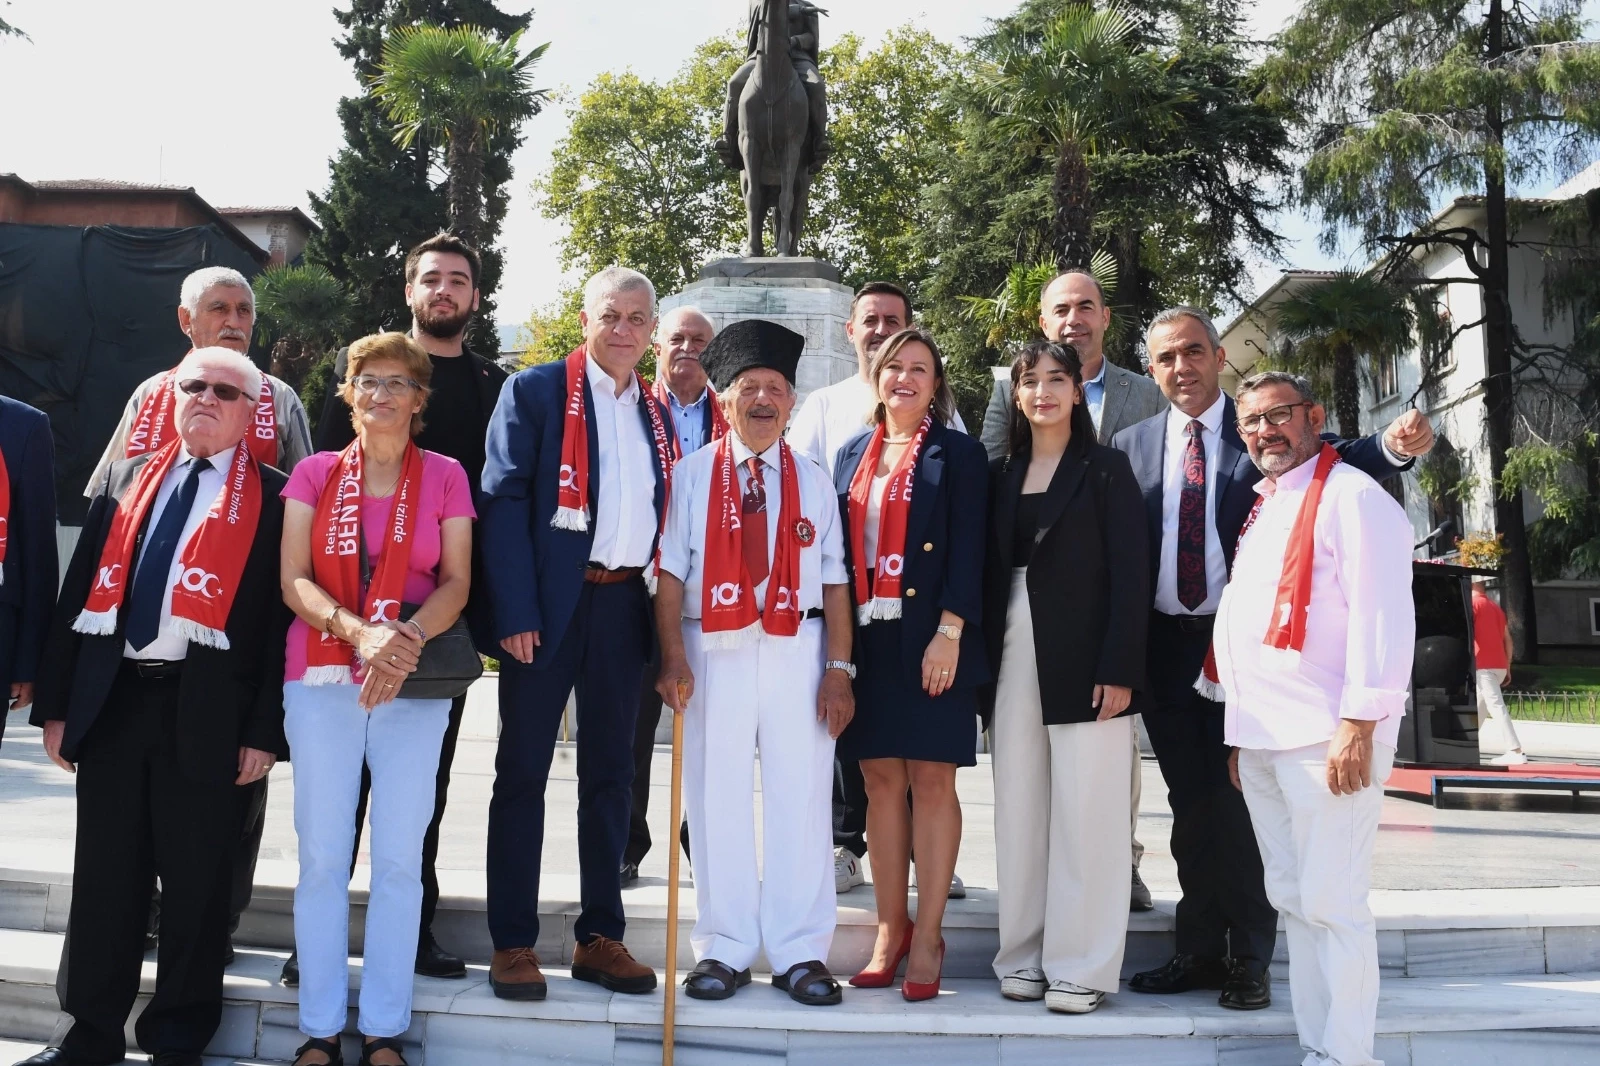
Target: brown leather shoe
514,974
607,963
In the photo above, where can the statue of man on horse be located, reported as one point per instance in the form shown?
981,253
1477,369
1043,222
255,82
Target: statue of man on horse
805,53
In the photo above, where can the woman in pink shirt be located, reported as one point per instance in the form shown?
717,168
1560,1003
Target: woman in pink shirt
380,524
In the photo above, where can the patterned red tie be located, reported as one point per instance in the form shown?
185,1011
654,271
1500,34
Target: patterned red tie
1192,522
753,535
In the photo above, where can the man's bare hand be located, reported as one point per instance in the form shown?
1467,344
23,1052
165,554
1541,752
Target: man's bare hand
21,694
675,684
520,646
1233,769
254,764
1410,435
1350,757
53,732
836,701
1111,700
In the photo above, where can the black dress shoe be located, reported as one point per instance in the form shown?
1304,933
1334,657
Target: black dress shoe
1248,987
228,959
1183,973
291,971
175,1058
435,961
54,1056
629,873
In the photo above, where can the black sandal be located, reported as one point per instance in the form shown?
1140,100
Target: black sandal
383,1043
809,983
329,1048
711,979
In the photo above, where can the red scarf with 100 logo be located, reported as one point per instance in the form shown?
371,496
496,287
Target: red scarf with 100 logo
728,614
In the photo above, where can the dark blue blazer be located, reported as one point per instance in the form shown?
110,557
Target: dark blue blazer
28,595
944,546
537,570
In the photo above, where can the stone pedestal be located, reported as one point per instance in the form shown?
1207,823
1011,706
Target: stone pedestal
799,293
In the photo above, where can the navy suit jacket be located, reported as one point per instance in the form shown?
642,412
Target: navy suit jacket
537,569
29,593
944,546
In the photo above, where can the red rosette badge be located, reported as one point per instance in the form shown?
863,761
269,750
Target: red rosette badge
805,532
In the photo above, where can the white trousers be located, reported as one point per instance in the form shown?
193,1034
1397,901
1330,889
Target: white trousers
1135,790
1493,704
764,697
1062,858
1316,849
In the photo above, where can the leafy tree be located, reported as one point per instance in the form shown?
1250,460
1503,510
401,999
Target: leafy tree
382,199
1338,323
302,314
1403,103
460,86
8,30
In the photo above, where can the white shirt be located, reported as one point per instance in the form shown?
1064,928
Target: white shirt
1360,627
874,516
1171,497
683,545
168,646
834,414
625,513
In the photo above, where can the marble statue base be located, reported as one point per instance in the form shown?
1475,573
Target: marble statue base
799,293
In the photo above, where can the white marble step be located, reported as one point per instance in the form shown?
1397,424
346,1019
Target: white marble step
1546,1019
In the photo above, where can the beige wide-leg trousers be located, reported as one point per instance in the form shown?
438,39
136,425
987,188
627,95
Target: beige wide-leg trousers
1060,823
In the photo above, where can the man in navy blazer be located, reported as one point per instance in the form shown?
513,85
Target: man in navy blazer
571,610
1199,488
28,531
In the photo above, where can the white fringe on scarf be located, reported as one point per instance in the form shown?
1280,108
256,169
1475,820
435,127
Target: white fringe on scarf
1211,690
196,633
327,675
884,607
733,639
96,623
570,518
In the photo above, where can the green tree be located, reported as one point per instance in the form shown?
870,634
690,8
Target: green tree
382,199
1403,103
460,86
8,30
302,313
1336,325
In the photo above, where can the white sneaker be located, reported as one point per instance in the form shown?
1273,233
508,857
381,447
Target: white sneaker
958,888
1510,758
846,870
1024,985
1065,997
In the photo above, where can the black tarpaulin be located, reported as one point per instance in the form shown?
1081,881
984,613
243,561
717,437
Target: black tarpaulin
86,313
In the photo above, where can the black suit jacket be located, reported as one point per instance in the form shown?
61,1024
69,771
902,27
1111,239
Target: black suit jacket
1088,589
29,589
226,699
944,547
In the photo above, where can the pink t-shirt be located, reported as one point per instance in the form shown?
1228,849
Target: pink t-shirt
445,494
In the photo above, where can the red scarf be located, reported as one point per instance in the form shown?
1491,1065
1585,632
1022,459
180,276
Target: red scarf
1286,628
728,615
882,598
152,426
719,421
5,514
211,563
336,566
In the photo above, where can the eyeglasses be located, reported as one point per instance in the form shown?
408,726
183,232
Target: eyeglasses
220,389
367,384
1249,425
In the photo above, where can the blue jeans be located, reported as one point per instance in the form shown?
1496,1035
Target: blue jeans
330,737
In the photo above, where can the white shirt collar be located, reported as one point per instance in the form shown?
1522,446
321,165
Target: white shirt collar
1293,480
742,452
600,381
1210,420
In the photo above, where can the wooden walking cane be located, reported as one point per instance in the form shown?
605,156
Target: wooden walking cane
669,1011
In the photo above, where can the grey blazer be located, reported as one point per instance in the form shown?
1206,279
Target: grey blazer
1130,399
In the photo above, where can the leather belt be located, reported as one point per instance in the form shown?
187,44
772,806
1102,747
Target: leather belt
813,612
1187,623
153,670
595,574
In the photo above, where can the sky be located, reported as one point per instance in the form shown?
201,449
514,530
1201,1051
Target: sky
238,98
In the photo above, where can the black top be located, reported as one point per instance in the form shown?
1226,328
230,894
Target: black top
454,422
1027,527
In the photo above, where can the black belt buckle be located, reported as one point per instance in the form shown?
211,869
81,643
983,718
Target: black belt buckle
1189,623
153,670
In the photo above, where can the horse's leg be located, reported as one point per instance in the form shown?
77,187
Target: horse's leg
785,207
755,208
802,202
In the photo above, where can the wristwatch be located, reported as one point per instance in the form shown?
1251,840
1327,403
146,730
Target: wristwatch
846,665
953,632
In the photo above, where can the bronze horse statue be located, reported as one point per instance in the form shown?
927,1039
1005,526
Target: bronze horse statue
774,133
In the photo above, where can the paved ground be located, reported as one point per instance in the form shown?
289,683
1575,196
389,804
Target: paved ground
1480,841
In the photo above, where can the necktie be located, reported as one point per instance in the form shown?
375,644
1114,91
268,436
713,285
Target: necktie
150,583
753,534
1192,522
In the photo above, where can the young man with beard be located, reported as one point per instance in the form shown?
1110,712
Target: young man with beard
442,291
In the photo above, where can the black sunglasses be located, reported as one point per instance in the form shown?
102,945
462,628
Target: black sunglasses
220,389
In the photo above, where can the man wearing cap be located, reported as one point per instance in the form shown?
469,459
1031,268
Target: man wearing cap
753,612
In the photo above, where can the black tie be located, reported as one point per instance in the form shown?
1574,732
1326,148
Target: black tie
150,580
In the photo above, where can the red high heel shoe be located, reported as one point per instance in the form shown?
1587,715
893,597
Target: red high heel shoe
914,991
885,978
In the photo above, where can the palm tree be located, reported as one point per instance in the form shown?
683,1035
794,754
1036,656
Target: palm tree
1336,323
1082,88
1011,315
303,312
458,86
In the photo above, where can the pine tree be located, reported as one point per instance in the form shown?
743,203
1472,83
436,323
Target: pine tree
381,199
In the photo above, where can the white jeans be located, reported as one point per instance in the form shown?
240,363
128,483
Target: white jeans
761,696
330,736
1062,855
1493,704
1316,849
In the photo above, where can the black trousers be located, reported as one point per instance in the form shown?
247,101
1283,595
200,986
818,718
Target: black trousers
1224,909
849,807
141,817
644,748
430,841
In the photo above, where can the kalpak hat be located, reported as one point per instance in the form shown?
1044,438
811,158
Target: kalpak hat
751,344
